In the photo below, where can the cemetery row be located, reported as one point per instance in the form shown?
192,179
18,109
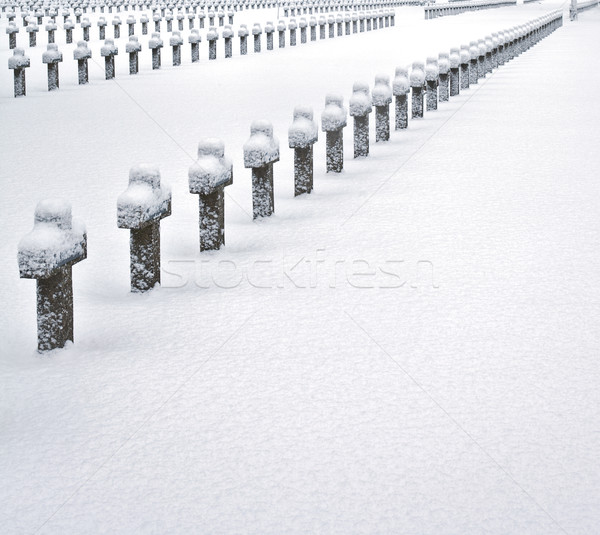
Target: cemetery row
57,242
348,24
578,7
53,9
456,8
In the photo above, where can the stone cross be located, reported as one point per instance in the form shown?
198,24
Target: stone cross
52,57
261,151
47,254
382,98
401,88
333,122
302,135
140,208
208,177
360,106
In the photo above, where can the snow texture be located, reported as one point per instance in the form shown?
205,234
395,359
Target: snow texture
145,199
82,51
133,45
109,48
303,131
417,74
55,240
175,39
360,103
400,85
444,63
495,41
382,92
18,60
333,117
212,34
432,71
454,58
194,36
465,55
155,41
52,54
261,148
482,47
474,50
212,170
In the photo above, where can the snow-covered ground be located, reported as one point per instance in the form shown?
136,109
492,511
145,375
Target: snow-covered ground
410,349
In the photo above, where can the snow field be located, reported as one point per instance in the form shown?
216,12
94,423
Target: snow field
462,402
